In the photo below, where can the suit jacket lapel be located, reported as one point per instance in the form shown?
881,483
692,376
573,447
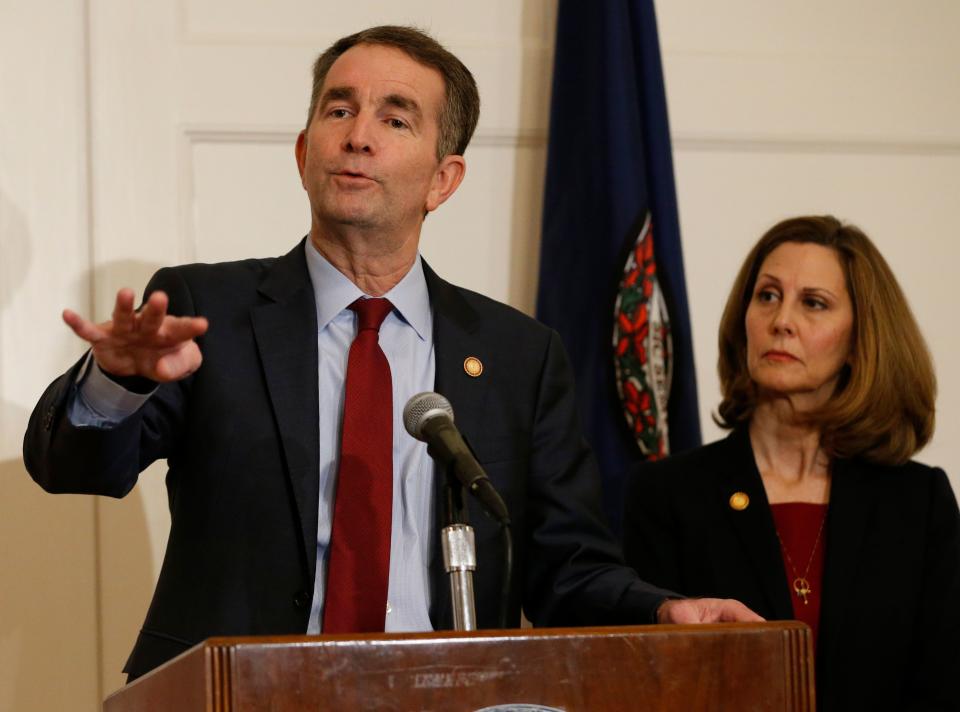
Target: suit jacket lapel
455,325
853,502
285,327
753,526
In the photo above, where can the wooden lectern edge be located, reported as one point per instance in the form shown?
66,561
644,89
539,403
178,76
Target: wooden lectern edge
449,635
201,677
495,634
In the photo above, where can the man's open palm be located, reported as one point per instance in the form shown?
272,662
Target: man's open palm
149,343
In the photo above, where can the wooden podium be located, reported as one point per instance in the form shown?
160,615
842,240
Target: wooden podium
735,667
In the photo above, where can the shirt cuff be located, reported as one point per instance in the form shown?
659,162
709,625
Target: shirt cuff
106,398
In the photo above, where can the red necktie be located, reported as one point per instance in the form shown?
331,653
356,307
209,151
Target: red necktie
359,563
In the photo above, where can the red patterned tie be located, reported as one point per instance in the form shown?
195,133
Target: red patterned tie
359,564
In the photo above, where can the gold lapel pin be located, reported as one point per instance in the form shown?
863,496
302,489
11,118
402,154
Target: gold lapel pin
472,366
739,501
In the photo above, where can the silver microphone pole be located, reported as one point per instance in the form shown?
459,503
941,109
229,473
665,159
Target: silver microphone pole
460,561
429,417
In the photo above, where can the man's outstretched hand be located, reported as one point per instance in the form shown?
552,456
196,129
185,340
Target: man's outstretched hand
149,343
705,610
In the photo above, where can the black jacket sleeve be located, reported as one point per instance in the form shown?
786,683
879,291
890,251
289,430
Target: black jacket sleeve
64,458
576,574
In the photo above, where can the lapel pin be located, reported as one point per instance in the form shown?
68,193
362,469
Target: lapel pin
472,366
739,501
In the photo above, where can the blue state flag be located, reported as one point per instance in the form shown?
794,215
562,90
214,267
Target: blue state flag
611,267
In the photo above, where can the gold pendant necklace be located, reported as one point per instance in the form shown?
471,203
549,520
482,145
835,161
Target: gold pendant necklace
802,588
801,584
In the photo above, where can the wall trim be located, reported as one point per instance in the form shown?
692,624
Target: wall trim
707,143
221,133
702,142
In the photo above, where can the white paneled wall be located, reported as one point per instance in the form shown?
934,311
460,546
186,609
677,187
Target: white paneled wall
781,109
139,134
49,640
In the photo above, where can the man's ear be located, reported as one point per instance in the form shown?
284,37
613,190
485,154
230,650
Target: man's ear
300,150
446,180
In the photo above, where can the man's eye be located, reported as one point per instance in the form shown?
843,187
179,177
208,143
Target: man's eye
338,113
397,124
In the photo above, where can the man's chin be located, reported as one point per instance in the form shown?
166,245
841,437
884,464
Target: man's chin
356,221
357,217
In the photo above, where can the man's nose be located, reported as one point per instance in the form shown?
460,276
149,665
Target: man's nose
360,138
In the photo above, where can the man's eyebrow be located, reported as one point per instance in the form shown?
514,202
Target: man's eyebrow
337,94
402,102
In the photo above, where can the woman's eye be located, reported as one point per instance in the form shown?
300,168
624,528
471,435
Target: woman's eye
766,295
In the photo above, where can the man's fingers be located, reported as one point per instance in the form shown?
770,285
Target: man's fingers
706,610
183,328
86,330
152,315
152,343
732,611
179,363
680,610
123,313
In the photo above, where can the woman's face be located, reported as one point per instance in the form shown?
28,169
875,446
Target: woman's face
799,324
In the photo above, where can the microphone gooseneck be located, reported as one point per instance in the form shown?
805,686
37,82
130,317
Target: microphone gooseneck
429,418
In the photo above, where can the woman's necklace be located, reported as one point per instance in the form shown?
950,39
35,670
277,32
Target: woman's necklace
801,584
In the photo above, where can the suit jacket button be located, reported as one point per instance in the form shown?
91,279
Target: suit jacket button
302,600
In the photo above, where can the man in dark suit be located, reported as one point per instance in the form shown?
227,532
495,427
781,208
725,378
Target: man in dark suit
257,439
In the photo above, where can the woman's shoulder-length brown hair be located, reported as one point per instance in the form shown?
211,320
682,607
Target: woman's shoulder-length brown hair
883,408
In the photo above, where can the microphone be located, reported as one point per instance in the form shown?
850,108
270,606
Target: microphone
429,418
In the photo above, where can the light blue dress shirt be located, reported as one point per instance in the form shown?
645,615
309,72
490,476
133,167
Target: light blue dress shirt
406,338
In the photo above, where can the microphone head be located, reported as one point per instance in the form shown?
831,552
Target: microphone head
422,408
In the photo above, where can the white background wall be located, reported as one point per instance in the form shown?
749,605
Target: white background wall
135,134
849,108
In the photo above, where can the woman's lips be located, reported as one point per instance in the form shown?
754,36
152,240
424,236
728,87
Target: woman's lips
780,356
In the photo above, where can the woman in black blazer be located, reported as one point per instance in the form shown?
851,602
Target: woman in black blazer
811,508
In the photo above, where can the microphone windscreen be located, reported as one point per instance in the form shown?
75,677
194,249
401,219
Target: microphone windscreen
421,408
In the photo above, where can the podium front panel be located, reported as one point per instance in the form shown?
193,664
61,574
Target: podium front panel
731,667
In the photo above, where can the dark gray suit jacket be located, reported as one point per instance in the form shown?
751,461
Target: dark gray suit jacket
240,437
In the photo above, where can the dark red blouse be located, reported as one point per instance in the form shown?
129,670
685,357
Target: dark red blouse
802,530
